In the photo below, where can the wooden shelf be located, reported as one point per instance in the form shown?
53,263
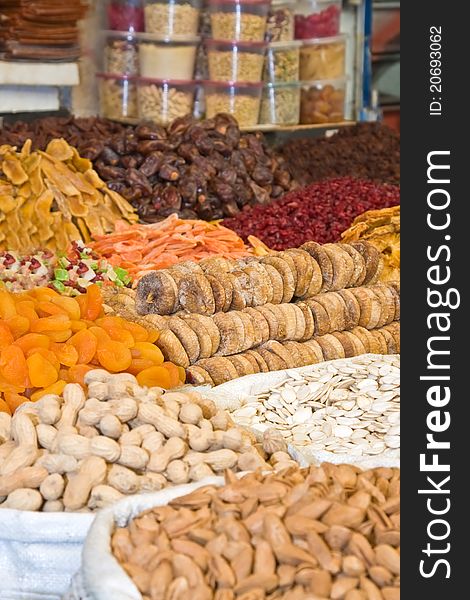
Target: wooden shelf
294,128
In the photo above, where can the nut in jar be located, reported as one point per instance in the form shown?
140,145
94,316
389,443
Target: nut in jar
322,101
280,104
121,55
242,100
241,20
162,101
281,64
118,96
172,17
280,25
323,58
235,61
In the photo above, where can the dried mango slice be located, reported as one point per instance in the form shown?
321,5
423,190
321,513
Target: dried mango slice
59,149
14,171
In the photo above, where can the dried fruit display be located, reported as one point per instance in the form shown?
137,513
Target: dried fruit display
80,451
319,212
69,274
220,285
48,199
365,151
346,406
277,356
382,229
331,531
48,340
197,169
143,248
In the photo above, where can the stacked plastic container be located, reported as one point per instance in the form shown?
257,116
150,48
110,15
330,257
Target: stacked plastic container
235,54
322,61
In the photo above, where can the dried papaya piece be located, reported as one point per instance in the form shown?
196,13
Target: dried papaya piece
154,377
7,305
94,302
114,356
54,323
174,373
56,388
14,400
66,354
77,374
69,306
13,366
148,351
86,345
139,364
18,325
47,354
32,340
41,372
6,336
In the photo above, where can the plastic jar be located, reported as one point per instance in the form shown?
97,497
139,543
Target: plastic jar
280,104
162,101
281,63
235,61
167,57
121,54
118,96
322,101
323,58
173,17
242,100
241,20
317,18
125,15
280,24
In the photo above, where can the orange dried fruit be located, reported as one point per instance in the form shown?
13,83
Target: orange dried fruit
154,377
45,308
41,372
121,335
7,305
139,364
114,356
56,388
66,354
54,323
138,332
6,336
47,354
43,294
94,302
77,374
148,351
85,344
182,374
174,373
4,406
14,400
69,305
64,374
59,336
77,325
13,366
100,334
18,325
152,335
26,308
32,340
109,322
82,302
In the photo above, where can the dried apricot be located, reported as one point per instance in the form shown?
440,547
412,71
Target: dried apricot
66,354
54,323
41,372
85,344
94,302
76,325
13,366
47,354
154,377
182,374
109,322
174,373
7,305
26,308
43,294
56,388
100,334
114,356
69,305
4,406
46,308
139,364
64,375
18,325
77,373
152,335
82,302
6,337
139,333
59,336
148,351
121,335
32,340
14,400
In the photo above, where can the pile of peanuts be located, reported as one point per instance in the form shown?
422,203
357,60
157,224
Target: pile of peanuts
328,532
82,451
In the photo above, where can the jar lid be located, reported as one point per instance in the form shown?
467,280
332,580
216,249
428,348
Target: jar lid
286,45
234,43
275,3
130,36
340,81
341,37
167,82
168,39
234,84
119,76
282,85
